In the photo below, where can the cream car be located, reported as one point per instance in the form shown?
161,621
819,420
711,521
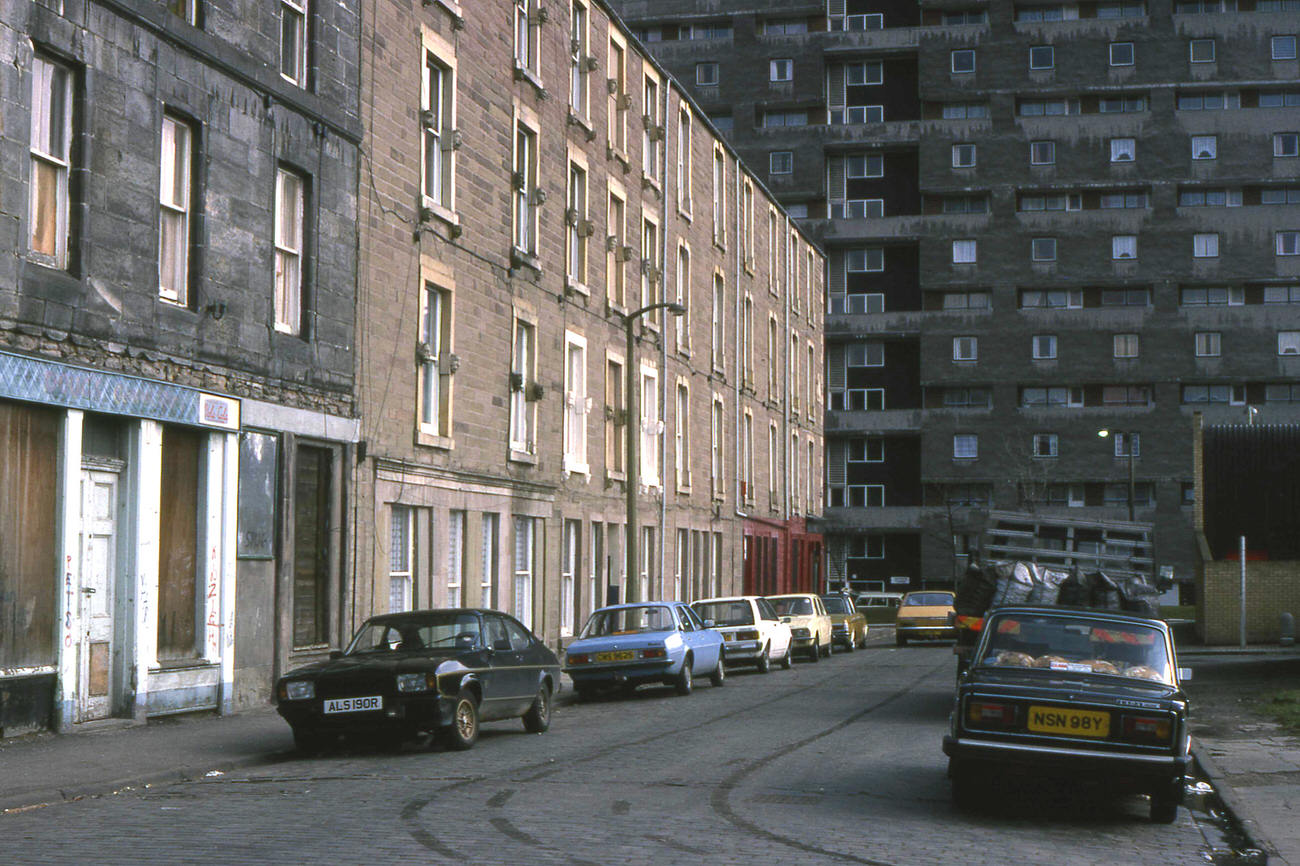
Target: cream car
752,632
810,624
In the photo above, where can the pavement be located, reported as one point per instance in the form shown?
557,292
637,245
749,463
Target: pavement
1252,764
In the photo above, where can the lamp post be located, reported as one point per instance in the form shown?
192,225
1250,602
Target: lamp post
633,580
1129,440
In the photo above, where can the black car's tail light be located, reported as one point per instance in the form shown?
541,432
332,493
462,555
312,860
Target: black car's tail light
991,714
653,654
1148,729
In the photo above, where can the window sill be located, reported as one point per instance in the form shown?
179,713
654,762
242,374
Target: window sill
439,212
574,467
720,243
527,457
684,490
583,123
573,287
617,309
451,7
619,155
183,664
522,74
521,259
648,182
684,351
613,475
685,213
435,440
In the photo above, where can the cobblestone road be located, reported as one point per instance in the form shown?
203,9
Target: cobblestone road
837,762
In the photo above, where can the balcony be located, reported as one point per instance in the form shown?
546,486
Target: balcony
857,520
844,231
893,40
885,421
874,324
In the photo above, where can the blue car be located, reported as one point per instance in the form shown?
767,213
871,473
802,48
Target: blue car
645,642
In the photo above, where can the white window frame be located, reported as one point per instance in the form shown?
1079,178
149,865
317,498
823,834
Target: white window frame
710,79
1205,245
525,188
964,252
963,155
578,228
290,225
1132,54
965,349
435,361
1123,149
51,159
1286,144
294,29
1038,249
1194,44
401,558
1205,147
1126,346
1043,347
454,590
576,404
570,563
1288,342
717,438
651,427
958,61
685,146
1051,57
965,446
175,201
682,437
579,53
524,567
780,69
1123,248
523,366
1287,243
438,133
1045,445
780,162
1048,146
682,295
1208,344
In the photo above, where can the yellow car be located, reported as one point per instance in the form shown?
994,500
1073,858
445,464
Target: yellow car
925,615
848,624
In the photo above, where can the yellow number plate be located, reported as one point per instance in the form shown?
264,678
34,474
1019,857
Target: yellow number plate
620,656
1074,723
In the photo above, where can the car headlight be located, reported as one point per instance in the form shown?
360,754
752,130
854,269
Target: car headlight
799,632
299,690
415,682
746,635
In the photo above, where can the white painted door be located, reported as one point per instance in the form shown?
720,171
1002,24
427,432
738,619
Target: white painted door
98,577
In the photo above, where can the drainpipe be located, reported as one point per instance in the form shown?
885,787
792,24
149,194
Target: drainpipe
663,340
741,241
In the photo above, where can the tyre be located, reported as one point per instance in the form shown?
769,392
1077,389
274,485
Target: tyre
815,651
851,644
787,660
764,663
309,741
1164,804
900,640
538,717
462,733
684,682
830,648
718,678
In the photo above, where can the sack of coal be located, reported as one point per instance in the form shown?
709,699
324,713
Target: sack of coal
1047,588
1014,587
1104,593
975,592
1138,596
1075,591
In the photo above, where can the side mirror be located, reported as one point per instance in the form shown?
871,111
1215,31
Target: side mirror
708,623
1184,674
785,619
336,654
501,645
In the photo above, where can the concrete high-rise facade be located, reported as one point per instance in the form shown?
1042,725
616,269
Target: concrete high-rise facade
1042,221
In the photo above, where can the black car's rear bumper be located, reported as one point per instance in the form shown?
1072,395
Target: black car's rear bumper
1139,771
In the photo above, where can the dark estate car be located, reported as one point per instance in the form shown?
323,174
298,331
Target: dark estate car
421,672
1080,695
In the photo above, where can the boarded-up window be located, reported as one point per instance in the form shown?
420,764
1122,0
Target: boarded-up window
29,440
258,454
178,544
311,540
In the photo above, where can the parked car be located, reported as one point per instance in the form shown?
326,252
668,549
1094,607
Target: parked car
1073,695
925,615
810,625
848,624
868,600
751,630
439,672
655,641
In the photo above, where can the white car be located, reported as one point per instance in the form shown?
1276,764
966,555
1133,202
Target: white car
810,624
752,633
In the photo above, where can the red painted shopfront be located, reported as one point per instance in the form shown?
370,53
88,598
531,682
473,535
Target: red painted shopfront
782,556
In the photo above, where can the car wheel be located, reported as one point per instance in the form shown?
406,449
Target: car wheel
764,663
1164,804
787,660
815,651
851,644
538,717
900,640
309,741
963,784
462,733
830,647
684,681
719,676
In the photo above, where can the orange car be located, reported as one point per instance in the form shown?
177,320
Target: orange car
925,615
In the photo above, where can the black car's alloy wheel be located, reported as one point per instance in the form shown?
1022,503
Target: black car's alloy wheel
538,717
462,733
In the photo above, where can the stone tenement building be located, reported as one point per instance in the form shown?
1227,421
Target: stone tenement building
1042,220
177,299
530,179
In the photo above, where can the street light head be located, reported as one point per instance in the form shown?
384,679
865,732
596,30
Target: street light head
677,309
1103,433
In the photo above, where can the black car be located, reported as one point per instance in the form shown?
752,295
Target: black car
438,672
1078,695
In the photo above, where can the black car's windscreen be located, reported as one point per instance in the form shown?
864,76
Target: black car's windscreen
725,613
629,620
439,630
792,605
837,604
928,599
1076,645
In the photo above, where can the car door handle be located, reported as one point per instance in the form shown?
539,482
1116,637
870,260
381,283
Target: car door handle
88,590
